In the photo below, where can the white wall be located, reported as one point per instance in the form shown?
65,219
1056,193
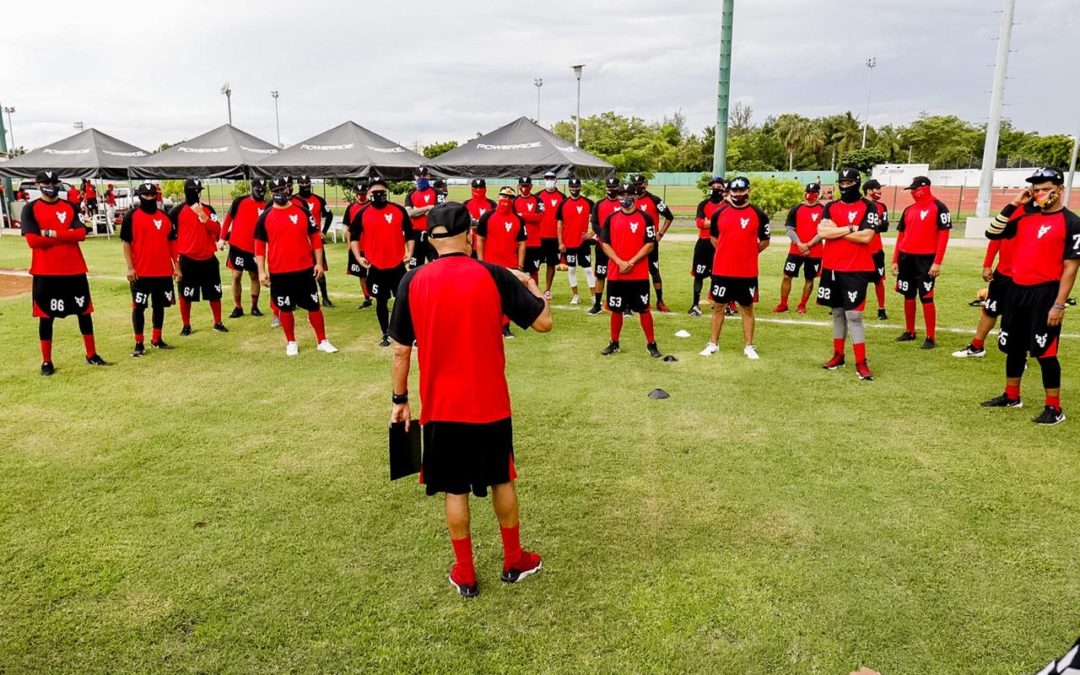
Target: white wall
901,174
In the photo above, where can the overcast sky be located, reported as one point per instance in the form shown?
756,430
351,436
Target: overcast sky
150,72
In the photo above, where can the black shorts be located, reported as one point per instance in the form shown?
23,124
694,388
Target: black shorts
460,458
628,296
423,251
844,290
997,295
879,264
742,290
601,263
290,290
354,268
200,278
654,261
811,267
534,258
1023,324
580,256
383,284
549,252
91,205
704,251
241,260
156,289
913,276
55,297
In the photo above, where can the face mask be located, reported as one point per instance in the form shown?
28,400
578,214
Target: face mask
378,198
716,194
549,184
850,194
575,192
361,198
811,197
305,190
148,205
281,198
258,194
640,189
503,205
1045,200
612,194
191,196
921,194
50,191
526,190
422,183
479,193
739,200
627,202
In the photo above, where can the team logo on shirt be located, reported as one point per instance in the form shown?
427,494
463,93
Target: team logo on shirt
80,300
814,217
633,227
62,217
851,217
529,206
259,211
294,218
923,214
157,223
389,217
427,198
1043,229
508,226
744,222
852,295
1041,339
579,209
483,211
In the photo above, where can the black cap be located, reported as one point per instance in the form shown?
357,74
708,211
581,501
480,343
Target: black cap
421,171
438,183
871,184
639,179
1047,175
47,177
280,183
718,179
573,183
918,182
193,184
146,188
848,173
451,215
550,174
524,180
376,180
612,184
813,187
627,189
258,182
361,185
303,179
739,183
479,183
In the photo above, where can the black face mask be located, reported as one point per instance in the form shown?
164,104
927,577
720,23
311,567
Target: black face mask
575,193
378,198
850,195
50,191
305,191
640,189
281,198
148,205
191,197
716,195
612,194
627,202
258,194
739,200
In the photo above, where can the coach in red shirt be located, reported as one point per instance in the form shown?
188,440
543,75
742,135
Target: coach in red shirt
198,231
150,253
239,231
452,309
922,236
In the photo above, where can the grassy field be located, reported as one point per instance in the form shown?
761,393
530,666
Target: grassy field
221,508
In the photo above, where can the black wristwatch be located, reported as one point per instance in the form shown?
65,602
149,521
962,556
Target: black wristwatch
850,229
399,399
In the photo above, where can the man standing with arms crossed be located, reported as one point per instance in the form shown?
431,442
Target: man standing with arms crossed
802,223
238,231
921,239
196,241
872,189
452,310
150,253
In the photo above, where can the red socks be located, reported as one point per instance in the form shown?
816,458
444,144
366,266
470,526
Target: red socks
909,315
647,326
1012,391
511,539
139,338
838,345
616,325
185,312
88,342
860,352
929,311
463,571
155,337
46,351
783,299
879,288
802,302
288,325
1052,401
215,307
977,343
318,323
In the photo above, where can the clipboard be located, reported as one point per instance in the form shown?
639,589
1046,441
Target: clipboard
405,450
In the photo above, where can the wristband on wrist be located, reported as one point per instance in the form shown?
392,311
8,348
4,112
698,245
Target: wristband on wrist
1057,306
399,399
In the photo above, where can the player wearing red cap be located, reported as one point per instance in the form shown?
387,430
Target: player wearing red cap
802,223
238,231
921,239
150,253
198,231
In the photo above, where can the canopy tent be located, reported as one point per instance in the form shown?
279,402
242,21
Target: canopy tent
346,151
225,152
87,154
521,148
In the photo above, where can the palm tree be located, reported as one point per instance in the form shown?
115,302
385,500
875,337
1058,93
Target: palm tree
848,135
797,132
888,139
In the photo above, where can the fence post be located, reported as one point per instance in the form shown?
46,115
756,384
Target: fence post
960,201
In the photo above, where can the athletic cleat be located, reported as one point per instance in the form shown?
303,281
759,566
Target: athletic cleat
863,371
325,346
139,350
906,337
662,307
47,368
801,309
292,349
255,312
970,351
728,311
365,304
595,309
837,361
275,322
1050,416
96,360
575,300
710,349
882,316
653,350
385,341
751,352
929,343
527,565
466,590
220,328
160,344
507,334
1003,401
780,309
236,313
612,348
185,331
694,311
327,302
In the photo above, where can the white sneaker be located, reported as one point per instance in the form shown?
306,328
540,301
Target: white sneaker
291,349
751,352
575,300
325,346
275,322
710,349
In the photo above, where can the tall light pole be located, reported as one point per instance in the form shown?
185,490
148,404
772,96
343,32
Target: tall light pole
277,120
538,82
577,119
1072,168
10,126
993,125
871,63
225,89
722,91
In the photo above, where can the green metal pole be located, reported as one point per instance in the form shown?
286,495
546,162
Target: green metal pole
723,88
8,195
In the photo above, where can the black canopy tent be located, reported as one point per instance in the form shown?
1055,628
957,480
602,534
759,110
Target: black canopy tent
224,152
521,148
87,154
346,151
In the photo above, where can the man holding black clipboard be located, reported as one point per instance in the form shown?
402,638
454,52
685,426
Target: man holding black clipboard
453,310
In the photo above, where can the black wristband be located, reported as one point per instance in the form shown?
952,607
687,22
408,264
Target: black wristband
399,399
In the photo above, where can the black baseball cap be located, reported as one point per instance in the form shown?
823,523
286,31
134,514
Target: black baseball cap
47,177
639,178
438,183
193,184
146,188
612,184
376,180
627,189
739,183
452,216
421,171
573,183
303,179
280,183
524,180
848,173
479,183
258,182
871,184
361,185
918,182
813,187
1047,175
718,180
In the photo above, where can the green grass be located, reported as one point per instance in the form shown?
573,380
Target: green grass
221,508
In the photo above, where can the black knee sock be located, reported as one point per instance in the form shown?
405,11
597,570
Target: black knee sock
86,324
382,311
697,291
1015,363
1051,372
322,287
138,322
45,329
157,316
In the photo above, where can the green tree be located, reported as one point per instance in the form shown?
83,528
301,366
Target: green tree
435,149
863,159
174,189
941,140
241,188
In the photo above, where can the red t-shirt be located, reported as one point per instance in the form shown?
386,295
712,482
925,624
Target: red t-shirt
883,225
626,234
843,255
195,239
551,199
382,234
502,232
531,210
239,226
805,218
59,255
603,208
738,231
477,207
1042,241
703,219
288,238
453,309
73,197
316,206
919,226
110,198
574,214
153,242
418,199
91,191
654,207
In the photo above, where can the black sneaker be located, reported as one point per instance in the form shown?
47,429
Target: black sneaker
612,348
256,312
96,360
595,309
139,350
1050,416
160,344
220,327
507,334
929,343
1003,401
882,316
236,313
654,351
466,590
47,368
385,342
365,304
694,311
906,337
185,331
327,303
